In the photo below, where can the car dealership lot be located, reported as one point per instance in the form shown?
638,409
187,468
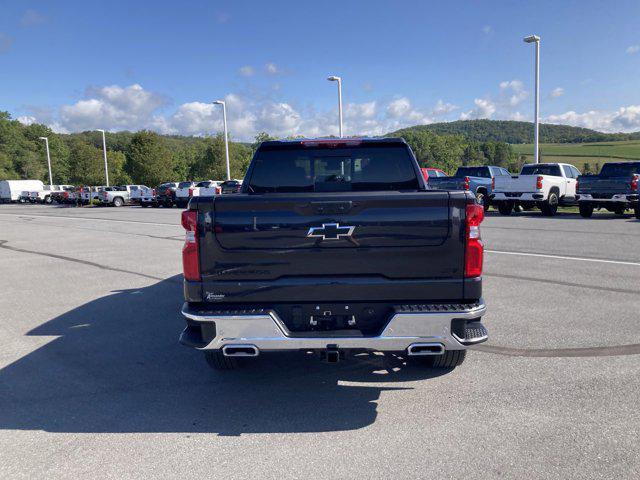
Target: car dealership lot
93,381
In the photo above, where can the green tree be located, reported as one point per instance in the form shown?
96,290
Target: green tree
148,159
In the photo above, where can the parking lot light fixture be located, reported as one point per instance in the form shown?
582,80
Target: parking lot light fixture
46,144
226,134
334,78
536,39
104,153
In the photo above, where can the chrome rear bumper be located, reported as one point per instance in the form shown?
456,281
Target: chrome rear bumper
267,332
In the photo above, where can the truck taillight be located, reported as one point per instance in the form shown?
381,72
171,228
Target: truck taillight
191,192
190,251
577,183
474,249
539,183
465,184
153,192
493,183
65,194
634,183
218,190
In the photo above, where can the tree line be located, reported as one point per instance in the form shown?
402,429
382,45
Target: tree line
145,157
510,131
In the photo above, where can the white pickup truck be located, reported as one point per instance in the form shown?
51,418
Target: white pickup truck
46,195
144,196
542,185
118,195
186,190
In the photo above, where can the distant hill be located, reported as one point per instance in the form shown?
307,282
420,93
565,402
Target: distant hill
519,132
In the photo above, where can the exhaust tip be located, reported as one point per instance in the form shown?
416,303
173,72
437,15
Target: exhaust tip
240,351
416,349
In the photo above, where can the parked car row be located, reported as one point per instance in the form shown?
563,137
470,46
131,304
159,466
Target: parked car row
546,186
166,195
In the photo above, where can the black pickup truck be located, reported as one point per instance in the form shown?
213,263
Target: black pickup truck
333,246
615,189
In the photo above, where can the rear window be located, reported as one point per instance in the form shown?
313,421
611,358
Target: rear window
320,169
619,169
553,170
473,172
184,184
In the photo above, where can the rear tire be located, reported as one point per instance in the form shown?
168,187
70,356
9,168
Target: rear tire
118,202
637,212
505,208
619,211
585,210
482,199
143,205
550,207
218,361
449,359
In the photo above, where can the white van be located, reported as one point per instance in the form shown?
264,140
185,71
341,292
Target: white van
10,190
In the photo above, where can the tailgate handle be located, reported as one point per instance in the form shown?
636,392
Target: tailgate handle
329,208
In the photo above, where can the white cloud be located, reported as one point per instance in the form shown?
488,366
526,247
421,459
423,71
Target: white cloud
27,119
625,119
5,43
487,29
443,108
271,68
246,71
513,91
484,108
399,107
633,49
31,18
360,110
557,92
117,108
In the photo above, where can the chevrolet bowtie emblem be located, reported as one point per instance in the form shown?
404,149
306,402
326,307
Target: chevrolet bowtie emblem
330,231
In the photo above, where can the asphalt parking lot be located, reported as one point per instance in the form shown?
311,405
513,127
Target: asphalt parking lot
94,383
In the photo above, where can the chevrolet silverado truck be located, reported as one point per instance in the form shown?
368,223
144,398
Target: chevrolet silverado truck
118,195
478,180
333,247
542,185
615,189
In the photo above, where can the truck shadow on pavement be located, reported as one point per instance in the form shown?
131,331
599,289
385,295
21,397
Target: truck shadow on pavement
116,366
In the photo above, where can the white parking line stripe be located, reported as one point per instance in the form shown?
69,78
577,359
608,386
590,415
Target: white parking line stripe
561,257
90,219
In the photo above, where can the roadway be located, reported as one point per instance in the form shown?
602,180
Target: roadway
93,381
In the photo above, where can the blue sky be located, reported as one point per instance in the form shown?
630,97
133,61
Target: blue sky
129,65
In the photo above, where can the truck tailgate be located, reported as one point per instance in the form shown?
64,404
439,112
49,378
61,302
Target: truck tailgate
258,247
518,183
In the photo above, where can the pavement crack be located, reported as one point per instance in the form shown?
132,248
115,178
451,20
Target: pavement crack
564,284
4,245
616,350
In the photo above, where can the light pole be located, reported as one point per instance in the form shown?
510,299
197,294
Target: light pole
536,39
226,135
46,143
333,78
104,153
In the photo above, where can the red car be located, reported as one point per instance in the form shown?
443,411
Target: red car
429,172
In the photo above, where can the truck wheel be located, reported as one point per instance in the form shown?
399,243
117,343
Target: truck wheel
586,210
118,202
483,200
48,200
218,361
619,210
143,205
505,208
449,359
550,207
637,211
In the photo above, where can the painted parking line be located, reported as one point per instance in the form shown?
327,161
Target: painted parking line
564,257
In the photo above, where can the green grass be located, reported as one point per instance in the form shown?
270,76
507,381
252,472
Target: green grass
579,154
